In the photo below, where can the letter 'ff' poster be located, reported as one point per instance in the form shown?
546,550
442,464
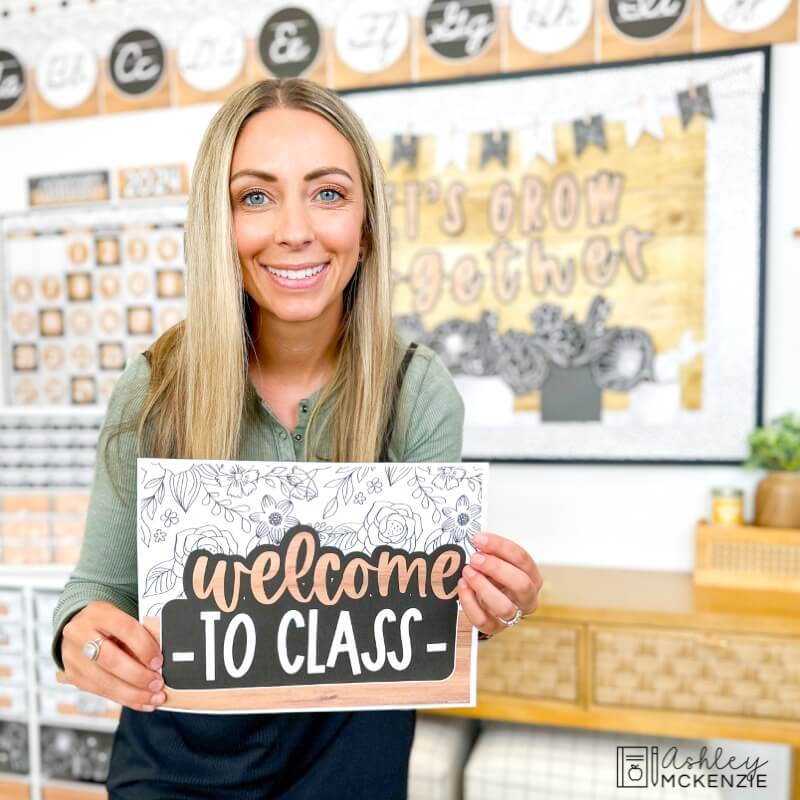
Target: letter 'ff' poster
303,586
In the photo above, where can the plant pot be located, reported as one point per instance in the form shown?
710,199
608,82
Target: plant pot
570,395
778,500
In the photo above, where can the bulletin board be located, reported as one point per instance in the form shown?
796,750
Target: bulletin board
584,251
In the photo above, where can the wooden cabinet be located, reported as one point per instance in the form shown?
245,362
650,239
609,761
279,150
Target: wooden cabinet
540,662
697,671
651,653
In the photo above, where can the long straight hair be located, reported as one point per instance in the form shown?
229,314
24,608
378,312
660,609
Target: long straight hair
198,388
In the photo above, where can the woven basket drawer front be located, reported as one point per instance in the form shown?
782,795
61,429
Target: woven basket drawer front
537,660
688,671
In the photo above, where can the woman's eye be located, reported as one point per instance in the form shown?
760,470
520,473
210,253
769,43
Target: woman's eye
254,199
332,191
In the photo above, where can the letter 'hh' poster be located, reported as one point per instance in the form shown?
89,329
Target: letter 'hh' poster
304,586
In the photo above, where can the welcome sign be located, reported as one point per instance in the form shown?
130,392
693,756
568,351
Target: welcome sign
292,586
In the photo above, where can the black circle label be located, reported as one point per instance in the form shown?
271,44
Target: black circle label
136,62
645,19
289,42
12,80
459,29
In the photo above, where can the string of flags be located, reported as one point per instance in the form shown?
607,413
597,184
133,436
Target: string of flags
538,139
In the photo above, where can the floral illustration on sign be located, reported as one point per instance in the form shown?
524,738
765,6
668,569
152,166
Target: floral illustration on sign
162,577
273,521
393,524
238,480
233,507
463,520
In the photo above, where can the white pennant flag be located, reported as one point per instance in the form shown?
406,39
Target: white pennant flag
642,118
538,139
452,147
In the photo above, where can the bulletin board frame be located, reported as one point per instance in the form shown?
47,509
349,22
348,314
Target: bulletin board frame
478,444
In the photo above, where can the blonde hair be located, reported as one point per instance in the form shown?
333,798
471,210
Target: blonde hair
198,389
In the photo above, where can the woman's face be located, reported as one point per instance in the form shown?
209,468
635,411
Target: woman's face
298,210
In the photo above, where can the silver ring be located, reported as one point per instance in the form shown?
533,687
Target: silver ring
514,620
92,649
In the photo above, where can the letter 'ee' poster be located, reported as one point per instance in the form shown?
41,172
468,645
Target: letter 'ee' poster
304,586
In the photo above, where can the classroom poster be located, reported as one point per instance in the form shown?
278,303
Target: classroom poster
296,586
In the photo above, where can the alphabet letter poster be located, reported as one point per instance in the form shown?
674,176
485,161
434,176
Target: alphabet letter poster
304,586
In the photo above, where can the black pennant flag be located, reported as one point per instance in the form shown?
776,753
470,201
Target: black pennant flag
494,147
591,130
404,148
695,100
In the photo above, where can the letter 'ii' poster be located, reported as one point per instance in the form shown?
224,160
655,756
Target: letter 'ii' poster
303,586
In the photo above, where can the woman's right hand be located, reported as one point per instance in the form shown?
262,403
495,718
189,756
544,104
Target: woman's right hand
126,670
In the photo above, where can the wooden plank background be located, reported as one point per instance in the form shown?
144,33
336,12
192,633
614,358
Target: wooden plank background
663,193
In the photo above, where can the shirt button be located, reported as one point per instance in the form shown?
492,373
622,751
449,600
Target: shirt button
283,434
298,437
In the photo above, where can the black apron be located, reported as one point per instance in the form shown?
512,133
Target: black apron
334,755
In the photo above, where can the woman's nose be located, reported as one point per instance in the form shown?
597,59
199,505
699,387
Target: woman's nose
293,224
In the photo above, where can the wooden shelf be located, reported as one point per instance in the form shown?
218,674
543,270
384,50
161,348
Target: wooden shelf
72,790
14,788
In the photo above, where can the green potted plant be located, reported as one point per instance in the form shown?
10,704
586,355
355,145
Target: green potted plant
776,448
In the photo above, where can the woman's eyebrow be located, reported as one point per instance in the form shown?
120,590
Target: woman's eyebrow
270,178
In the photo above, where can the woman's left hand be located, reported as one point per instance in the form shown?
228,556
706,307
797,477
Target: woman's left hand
500,578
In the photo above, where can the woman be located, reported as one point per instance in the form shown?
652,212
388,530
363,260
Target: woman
287,353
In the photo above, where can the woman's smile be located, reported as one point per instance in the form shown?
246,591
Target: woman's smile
298,277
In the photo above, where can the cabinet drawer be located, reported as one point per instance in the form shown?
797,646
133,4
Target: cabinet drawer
711,673
46,672
535,659
11,605
13,700
12,669
11,638
44,604
73,793
69,703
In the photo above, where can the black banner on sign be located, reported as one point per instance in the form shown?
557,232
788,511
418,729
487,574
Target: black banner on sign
298,614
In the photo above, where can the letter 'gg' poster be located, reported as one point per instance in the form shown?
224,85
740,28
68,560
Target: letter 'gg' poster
303,586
